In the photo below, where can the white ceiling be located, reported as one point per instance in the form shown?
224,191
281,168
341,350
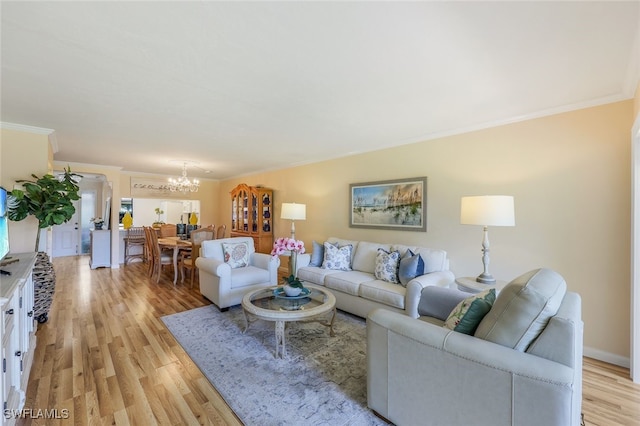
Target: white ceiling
248,86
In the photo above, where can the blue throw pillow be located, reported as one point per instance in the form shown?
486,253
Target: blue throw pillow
317,255
411,266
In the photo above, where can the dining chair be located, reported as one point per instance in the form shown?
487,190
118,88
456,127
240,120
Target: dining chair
168,230
149,250
222,231
135,238
160,257
188,258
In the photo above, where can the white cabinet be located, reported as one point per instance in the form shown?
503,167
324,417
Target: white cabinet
17,328
100,248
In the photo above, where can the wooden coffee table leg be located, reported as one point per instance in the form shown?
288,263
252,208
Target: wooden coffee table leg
333,317
280,343
246,321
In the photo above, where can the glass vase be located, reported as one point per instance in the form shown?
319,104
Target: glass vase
293,263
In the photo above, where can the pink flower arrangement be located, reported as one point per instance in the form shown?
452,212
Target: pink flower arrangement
283,245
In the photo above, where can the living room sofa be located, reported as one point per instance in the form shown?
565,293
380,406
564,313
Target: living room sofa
522,366
225,283
357,291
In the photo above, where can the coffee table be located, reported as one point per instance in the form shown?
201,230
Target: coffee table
263,304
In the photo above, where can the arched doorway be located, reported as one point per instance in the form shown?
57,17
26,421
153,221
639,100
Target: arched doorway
72,237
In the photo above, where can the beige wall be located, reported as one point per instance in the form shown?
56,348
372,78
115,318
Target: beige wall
569,173
636,103
21,155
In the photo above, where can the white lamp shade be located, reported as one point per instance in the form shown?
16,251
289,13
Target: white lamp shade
487,210
293,211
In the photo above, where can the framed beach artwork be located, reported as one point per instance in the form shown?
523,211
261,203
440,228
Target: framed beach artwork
394,204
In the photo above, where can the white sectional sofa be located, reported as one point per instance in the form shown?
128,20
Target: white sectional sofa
358,291
522,366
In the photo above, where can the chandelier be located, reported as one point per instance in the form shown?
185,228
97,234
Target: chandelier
183,183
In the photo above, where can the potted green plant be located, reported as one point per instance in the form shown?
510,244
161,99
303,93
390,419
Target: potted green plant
292,285
48,198
158,222
98,222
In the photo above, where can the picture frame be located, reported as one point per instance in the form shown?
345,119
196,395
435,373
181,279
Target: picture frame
399,205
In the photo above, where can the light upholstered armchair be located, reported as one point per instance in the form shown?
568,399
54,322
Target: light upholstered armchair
230,267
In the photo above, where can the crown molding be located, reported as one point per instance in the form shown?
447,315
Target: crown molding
51,133
26,128
76,166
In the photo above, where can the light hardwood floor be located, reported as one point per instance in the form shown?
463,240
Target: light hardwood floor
105,356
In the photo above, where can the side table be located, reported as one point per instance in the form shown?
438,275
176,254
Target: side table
470,285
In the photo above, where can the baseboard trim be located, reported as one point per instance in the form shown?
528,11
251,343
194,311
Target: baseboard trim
607,357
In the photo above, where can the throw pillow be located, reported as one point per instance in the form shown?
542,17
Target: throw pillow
387,266
236,254
466,316
337,257
411,266
317,255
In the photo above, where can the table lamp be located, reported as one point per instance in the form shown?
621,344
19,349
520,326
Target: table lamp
487,210
293,212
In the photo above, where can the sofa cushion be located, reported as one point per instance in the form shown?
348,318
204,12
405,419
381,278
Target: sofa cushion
236,254
347,282
523,309
466,316
364,257
337,257
251,275
383,292
314,274
434,260
387,266
411,266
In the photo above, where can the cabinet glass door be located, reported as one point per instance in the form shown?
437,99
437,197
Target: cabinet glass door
234,213
244,195
266,213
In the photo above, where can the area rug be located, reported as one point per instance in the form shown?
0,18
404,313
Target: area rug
322,380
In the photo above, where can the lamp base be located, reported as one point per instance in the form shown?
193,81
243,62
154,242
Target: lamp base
486,279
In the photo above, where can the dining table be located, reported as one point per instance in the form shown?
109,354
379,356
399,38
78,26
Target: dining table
176,244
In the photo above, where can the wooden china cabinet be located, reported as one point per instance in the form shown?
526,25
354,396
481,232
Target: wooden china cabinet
252,215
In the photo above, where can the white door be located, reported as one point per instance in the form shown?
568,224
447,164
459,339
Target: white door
65,236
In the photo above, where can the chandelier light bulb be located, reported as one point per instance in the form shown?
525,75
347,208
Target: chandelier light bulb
183,183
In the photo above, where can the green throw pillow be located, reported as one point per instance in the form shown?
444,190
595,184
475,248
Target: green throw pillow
466,316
